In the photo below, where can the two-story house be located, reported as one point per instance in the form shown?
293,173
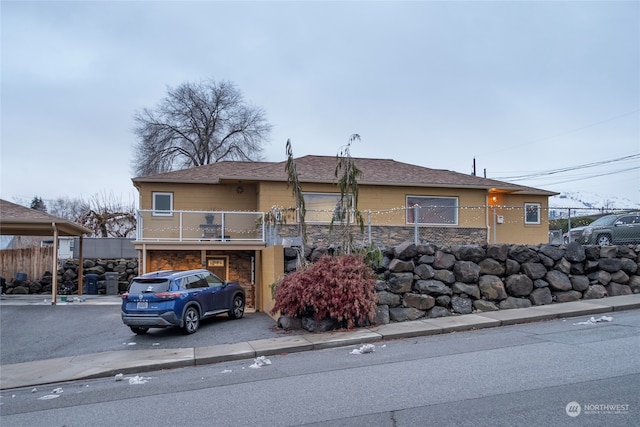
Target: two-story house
223,216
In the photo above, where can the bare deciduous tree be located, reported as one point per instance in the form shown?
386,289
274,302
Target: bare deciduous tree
103,214
198,124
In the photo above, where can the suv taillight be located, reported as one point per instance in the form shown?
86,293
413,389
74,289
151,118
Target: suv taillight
167,295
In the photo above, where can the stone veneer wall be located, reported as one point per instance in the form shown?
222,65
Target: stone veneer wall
239,266
426,280
320,235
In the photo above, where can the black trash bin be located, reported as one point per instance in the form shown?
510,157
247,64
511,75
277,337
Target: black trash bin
112,283
91,284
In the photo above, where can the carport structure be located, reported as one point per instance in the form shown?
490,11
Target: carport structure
16,220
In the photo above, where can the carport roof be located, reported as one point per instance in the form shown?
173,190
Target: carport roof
16,220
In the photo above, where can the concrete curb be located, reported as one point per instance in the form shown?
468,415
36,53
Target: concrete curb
96,365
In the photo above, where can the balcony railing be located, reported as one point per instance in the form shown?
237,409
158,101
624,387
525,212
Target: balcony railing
193,226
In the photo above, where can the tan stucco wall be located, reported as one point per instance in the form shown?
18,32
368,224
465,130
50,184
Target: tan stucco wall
202,197
514,230
272,270
199,197
261,197
377,198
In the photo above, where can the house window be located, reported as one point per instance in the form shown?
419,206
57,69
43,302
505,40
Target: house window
433,210
162,204
323,207
532,213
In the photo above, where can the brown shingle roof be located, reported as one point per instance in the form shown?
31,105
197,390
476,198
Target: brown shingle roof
321,169
16,220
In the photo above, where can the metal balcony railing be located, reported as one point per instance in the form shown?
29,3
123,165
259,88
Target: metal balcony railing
185,226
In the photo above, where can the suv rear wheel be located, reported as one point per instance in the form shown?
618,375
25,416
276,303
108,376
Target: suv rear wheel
191,320
237,309
138,330
604,240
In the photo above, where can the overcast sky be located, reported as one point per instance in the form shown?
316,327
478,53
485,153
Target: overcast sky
527,88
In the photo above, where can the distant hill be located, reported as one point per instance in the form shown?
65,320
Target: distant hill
585,203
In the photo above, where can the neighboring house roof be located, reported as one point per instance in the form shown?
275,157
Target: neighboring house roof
16,220
321,169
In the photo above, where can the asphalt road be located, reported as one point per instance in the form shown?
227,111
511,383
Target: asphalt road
516,375
34,332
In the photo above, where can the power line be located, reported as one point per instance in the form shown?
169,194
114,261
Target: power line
567,169
590,176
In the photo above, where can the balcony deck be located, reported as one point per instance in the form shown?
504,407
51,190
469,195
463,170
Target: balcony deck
222,227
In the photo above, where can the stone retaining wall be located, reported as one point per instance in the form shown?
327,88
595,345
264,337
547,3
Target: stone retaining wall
68,277
426,280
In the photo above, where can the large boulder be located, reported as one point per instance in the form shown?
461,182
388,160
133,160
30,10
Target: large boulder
553,252
444,261
628,266
499,252
467,289
400,283
474,253
541,296
558,281
491,266
600,277
595,292
419,301
521,253
405,251
400,266
610,265
575,252
324,325
438,311
579,283
519,285
289,323
466,271
492,288
402,314
534,270
424,271
567,296
634,284
483,305
461,305
432,287
388,298
382,316
615,289
563,265
445,276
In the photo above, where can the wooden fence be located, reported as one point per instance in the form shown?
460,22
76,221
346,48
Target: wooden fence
32,261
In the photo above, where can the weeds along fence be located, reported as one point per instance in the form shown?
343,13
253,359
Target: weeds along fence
31,261
445,225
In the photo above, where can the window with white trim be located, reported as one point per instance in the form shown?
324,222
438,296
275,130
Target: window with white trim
323,207
532,213
433,210
162,204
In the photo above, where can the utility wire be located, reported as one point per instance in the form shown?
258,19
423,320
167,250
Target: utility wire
567,169
591,176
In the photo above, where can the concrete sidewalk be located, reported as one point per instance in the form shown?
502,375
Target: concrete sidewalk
134,361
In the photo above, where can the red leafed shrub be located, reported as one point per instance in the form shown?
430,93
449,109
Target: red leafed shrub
336,287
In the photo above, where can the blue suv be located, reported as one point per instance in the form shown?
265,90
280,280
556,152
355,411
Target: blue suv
179,298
